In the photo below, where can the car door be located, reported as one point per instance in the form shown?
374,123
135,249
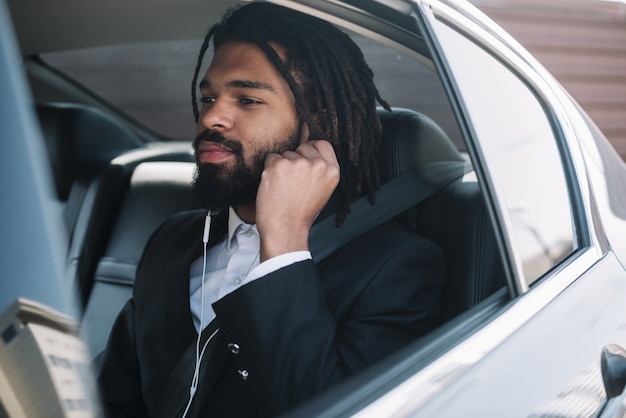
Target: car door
540,355
43,362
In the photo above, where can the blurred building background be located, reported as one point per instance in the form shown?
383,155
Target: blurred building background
583,44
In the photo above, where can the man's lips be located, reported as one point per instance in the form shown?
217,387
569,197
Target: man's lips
210,152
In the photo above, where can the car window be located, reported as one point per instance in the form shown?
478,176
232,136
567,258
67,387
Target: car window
516,140
150,82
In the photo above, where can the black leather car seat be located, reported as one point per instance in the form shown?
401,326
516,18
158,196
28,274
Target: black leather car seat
157,190
411,139
455,218
92,156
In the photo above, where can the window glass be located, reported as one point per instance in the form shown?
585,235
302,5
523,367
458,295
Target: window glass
520,150
151,82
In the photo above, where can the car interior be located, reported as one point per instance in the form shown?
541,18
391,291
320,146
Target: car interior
116,188
117,191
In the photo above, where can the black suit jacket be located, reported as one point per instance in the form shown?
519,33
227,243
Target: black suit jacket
282,338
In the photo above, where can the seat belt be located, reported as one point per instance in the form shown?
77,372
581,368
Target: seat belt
393,198
325,238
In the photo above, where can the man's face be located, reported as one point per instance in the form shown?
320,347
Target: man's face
247,111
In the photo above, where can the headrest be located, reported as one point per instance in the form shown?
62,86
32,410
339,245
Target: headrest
411,139
81,140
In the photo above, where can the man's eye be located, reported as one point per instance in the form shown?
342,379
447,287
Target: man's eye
205,100
249,101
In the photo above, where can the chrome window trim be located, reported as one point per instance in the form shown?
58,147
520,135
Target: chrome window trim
576,132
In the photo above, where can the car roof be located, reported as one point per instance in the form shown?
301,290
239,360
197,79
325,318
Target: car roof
74,24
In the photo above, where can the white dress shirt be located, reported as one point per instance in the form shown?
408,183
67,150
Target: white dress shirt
230,264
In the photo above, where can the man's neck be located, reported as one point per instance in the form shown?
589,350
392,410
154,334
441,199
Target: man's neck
247,213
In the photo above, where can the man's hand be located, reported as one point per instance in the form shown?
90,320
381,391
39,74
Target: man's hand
295,187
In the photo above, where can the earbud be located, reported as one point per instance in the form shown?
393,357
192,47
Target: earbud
207,228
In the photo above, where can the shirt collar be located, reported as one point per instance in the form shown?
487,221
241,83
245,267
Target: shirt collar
234,222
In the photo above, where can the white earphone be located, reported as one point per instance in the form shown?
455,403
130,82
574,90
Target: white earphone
200,353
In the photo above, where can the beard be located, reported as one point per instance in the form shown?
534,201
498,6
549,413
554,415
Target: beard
217,186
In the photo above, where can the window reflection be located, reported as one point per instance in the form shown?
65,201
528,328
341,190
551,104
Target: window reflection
521,154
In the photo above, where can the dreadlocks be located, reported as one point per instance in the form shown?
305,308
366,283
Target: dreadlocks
332,85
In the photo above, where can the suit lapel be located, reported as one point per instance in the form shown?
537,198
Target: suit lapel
179,318
178,310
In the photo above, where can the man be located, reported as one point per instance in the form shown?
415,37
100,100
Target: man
286,134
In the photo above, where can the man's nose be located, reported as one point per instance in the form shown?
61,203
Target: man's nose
217,116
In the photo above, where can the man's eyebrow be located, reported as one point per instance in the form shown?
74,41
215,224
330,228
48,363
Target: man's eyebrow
251,84
246,84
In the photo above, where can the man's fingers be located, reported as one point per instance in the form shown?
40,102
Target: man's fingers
324,148
318,154
309,151
312,150
271,157
293,155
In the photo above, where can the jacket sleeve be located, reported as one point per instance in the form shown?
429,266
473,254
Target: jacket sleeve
298,335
